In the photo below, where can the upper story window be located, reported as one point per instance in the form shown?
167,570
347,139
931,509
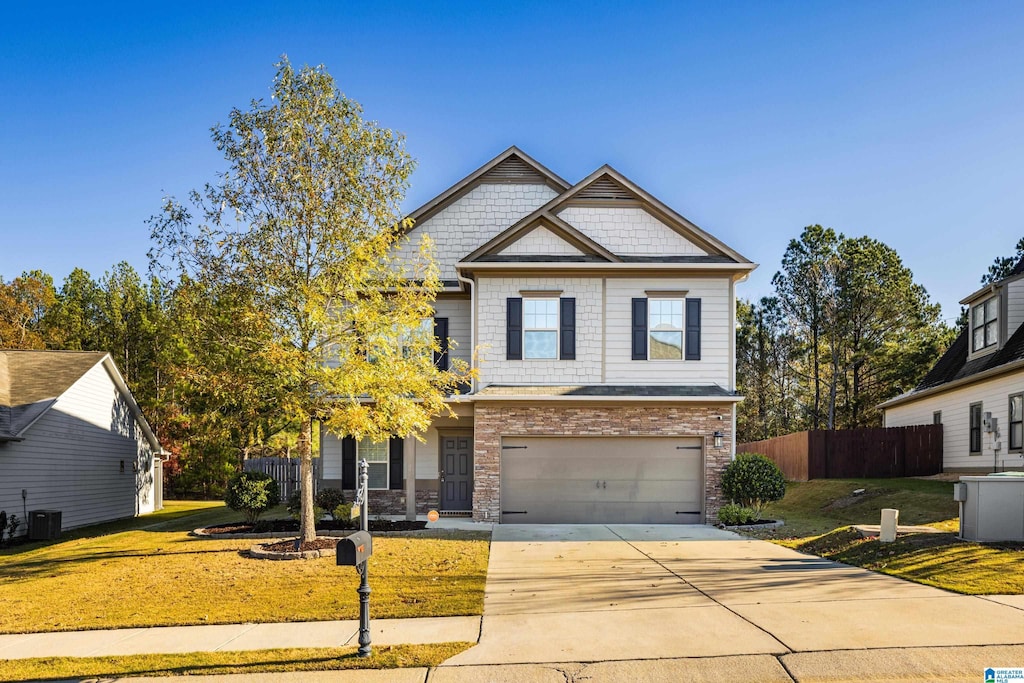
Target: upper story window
665,325
984,324
376,456
540,328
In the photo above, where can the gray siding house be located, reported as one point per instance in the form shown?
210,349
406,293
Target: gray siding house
72,438
603,326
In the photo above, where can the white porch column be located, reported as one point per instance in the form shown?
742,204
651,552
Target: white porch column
409,458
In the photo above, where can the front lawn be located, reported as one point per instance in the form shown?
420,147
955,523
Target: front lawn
815,507
154,574
241,662
940,560
819,515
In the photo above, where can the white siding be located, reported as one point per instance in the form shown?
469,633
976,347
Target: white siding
71,458
330,456
473,219
541,242
608,324
715,355
1014,306
994,397
491,303
458,313
629,231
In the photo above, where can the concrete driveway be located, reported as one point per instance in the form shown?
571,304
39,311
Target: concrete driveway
592,593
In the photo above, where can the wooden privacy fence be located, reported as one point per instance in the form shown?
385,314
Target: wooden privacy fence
854,453
285,472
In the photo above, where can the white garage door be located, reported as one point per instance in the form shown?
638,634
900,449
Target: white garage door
601,480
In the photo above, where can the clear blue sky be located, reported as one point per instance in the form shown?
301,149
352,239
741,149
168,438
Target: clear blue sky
902,121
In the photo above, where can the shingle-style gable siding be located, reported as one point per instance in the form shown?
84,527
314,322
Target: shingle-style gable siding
473,219
70,459
540,242
628,231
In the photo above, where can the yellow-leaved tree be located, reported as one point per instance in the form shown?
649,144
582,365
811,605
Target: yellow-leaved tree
298,239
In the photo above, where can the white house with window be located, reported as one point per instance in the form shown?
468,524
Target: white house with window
604,325
976,389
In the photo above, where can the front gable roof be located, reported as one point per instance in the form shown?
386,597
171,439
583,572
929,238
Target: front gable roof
608,187
511,166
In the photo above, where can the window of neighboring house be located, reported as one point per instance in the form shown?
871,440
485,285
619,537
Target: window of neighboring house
665,325
975,428
1016,422
937,417
540,328
376,456
424,333
984,324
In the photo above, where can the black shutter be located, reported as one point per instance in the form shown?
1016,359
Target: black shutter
567,328
441,334
396,463
692,329
639,329
514,328
348,463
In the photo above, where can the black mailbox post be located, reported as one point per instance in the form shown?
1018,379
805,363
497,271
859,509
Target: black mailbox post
355,549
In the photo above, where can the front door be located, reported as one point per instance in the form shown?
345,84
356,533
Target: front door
456,472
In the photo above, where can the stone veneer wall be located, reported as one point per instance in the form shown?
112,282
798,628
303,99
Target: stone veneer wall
392,502
550,419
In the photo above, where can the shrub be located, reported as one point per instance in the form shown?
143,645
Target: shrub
3,524
753,481
732,514
294,506
343,513
12,526
329,500
252,494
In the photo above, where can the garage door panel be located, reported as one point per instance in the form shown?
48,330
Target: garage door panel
631,480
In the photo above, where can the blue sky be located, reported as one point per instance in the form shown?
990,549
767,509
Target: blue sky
902,121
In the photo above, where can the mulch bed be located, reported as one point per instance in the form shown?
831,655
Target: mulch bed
292,526
289,546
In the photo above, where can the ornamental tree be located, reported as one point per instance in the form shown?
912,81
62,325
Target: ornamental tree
298,237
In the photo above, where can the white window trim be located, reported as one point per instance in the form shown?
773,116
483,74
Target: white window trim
1010,422
386,463
994,300
557,329
682,329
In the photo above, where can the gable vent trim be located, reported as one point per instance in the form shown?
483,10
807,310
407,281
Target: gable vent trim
604,188
513,170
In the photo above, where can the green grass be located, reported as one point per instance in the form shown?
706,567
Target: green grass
149,572
940,560
816,507
819,515
212,663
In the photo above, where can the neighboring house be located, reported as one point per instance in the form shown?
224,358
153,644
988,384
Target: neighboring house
72,438
604,324
976,389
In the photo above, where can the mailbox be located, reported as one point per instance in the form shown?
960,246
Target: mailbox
355,549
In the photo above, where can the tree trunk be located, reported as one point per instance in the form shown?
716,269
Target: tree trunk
307,522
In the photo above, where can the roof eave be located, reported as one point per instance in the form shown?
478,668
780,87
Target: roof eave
955,384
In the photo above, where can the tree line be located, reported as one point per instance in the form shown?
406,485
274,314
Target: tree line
846,329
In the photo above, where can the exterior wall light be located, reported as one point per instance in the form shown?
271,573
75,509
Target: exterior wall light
718,439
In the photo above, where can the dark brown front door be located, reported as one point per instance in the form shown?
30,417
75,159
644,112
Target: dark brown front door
456,472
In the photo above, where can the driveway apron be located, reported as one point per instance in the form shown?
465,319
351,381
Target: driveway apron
589,593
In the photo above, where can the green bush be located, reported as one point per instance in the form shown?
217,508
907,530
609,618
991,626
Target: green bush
753,481
732,514
343,513
252,494
329,500
294,506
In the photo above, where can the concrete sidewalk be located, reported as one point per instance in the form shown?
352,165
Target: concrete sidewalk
217,637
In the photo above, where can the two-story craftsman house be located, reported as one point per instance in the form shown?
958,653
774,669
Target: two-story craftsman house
604,325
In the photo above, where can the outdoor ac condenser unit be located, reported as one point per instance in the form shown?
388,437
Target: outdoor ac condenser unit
44,525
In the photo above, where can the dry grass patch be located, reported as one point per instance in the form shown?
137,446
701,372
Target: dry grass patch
212,663
159,576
